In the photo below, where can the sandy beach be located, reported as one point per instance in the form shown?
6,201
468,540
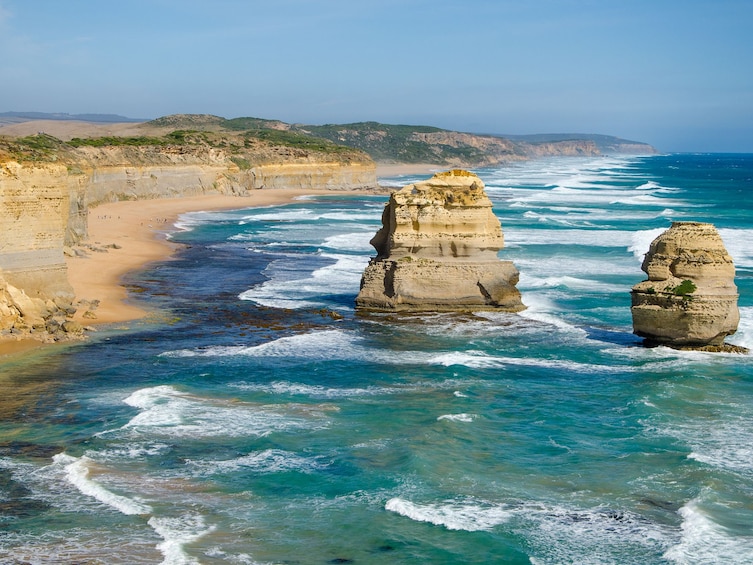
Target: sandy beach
131,234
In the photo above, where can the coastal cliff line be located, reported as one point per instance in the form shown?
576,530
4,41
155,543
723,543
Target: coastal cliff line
49,184
47,193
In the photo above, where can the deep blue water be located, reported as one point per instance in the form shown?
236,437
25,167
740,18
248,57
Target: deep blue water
248,424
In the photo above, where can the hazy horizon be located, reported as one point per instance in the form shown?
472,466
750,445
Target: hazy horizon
670,74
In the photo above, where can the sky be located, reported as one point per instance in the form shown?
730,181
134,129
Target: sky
677,74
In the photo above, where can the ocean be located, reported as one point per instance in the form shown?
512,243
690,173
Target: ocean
257,419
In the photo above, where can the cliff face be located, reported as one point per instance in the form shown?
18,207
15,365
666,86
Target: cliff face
437,251
481,150
574,148
130,173
44,206
690,297
35,296
34,210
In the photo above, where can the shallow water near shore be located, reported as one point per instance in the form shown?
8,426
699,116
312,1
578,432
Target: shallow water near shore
266,422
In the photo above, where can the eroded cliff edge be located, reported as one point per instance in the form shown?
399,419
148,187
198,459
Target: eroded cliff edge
48,187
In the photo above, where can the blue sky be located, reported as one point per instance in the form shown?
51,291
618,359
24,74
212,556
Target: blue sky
674,73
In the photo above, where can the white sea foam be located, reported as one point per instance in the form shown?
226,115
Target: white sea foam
589,238
282,214
131,452
641,241
77,471
567,281
168,412
738,244
541,309
343,276
592,536
728,444
353,241
591,217
652,201
351,216
326,344
267,461
473,359
73,545
705,541
744,334
583,194
317,345
461,515
661,359
560,265
190,220
312,391
177,532
466,418
480,360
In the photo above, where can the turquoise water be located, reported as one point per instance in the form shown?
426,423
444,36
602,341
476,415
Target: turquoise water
249,425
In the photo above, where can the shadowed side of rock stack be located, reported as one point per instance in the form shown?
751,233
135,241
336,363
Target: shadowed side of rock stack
690,299
437,251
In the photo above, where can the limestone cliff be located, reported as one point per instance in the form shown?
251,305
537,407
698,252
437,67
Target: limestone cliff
437,251
35,296
690,297
565,148
131,173
47,188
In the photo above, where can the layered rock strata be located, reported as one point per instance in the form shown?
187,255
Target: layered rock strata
690,297
44,207
35,295
437,251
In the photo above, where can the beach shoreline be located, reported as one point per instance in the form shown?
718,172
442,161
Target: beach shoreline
126,236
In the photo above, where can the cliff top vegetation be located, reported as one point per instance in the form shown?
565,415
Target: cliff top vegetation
241,145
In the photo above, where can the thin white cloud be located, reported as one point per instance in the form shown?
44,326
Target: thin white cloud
5,14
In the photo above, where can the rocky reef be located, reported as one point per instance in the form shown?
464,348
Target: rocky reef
437,251
690,299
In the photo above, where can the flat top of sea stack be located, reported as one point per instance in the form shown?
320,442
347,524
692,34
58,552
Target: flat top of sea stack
456,187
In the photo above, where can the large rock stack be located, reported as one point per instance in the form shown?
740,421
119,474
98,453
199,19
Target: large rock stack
690,297
437,251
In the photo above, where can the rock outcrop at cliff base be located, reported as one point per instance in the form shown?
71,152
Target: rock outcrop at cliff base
437,251
690,299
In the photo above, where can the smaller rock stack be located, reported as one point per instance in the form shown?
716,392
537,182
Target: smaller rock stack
690,299
437,251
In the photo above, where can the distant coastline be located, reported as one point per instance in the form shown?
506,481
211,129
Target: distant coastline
72,171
